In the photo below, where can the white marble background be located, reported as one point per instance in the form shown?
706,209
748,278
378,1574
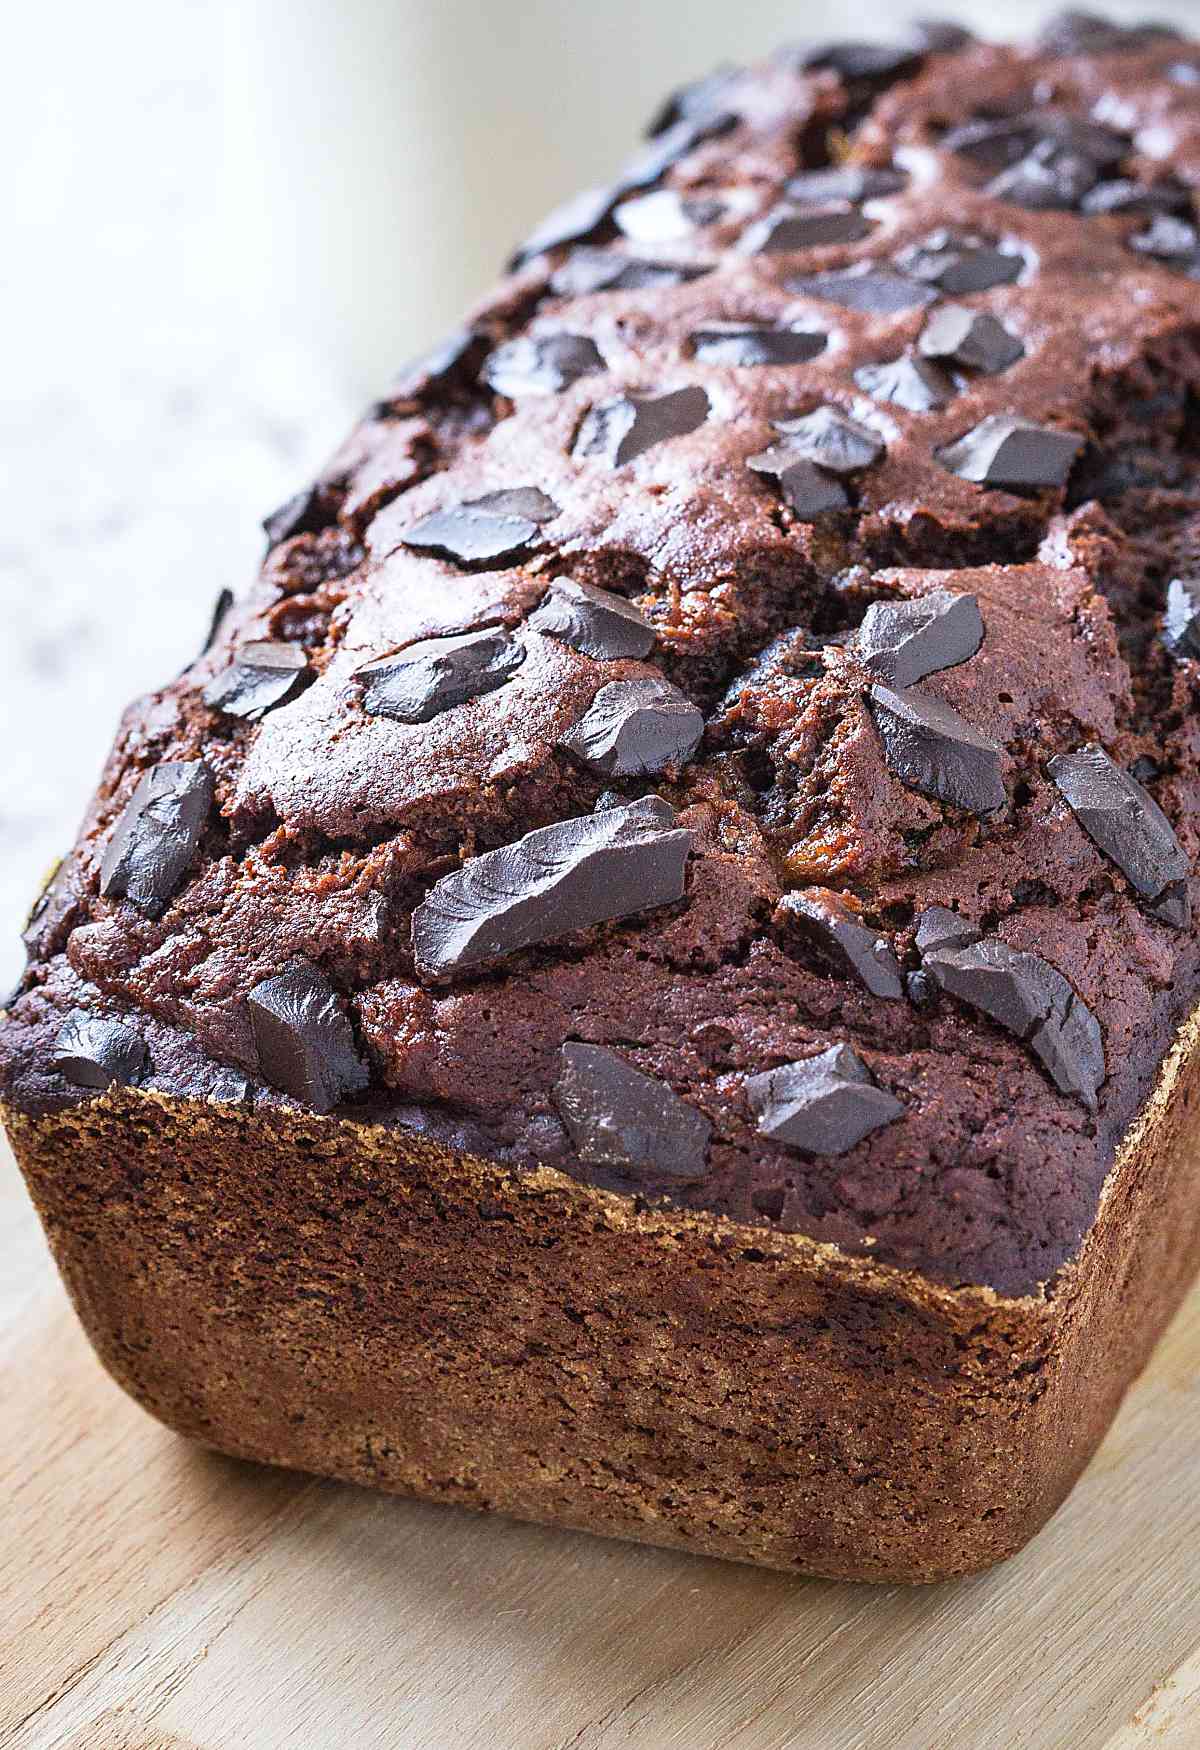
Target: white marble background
220,224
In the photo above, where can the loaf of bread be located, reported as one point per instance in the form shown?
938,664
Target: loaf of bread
645,978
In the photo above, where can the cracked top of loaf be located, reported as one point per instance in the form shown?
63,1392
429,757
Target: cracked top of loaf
724,724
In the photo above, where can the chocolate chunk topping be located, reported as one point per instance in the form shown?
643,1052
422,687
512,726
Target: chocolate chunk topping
1169,239
672,144
541,364
959,265
304,1039
805,488
593,620
1033,1000
484,531
1124,821
1050,178
825,1105
908,382
636,727
665,215
971,338
1181,621
301,515
94,1053
1005,451
220,608
620,1118
601,270
701,97
264,673
794,227
450,358
904,641
1073,32
832,440
438,673
996,142
846,182
930,748
1122,196
627,426
158,835
939,927
581,216
827,922
876,291
862,62
554,881
937,36
737,343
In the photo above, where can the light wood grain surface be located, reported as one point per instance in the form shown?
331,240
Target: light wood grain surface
157,1597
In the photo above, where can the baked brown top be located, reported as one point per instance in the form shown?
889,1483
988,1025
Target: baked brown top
723,725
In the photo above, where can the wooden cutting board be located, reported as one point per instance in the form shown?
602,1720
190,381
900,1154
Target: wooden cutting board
156,1597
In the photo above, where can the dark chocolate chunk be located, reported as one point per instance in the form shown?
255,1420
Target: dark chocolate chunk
912,383
831,439
596,621
1032,1000
452,357
1005,451
937,36
158,835
903,641
971,338
1123,196
220,608
1123,820
1074,32
263,674
625,427
825,1105
484,531
827,921
845,182
755,343
805,488
578,218
92,1052
862,63
939,927
603,270
541,364
701,97
635,727
665,215
438,673
789,228
1051,178
931,749
675,142
620,1118
996,142
554,881
1167,238
304,1038
303,514
959,265
920,988
876,291
1181,620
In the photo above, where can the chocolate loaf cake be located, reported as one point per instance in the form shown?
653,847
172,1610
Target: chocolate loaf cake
645,977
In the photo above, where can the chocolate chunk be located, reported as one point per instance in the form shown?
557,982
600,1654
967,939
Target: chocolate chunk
931,749
1049,179
971,338
1184,73
438,673
904,641
554,881
451,358
920,988
959,265
755,343
619,430
1073,32
158,835
863,63
701,97
937,36
304,1039
827,922
220,608
541,364
1181,620
1004,451
1125,822
803,486
580,217
1167,238
1122,196
95,1053
484,531
825,1105
620,1118
832,440
1032,1000
673,143
597,622
908,382
875,291
636,727
264,673
939,927
303,514
789,228
996,142
601,270
666,216
845,182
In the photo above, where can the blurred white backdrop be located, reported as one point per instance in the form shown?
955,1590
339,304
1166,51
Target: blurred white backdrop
223,225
